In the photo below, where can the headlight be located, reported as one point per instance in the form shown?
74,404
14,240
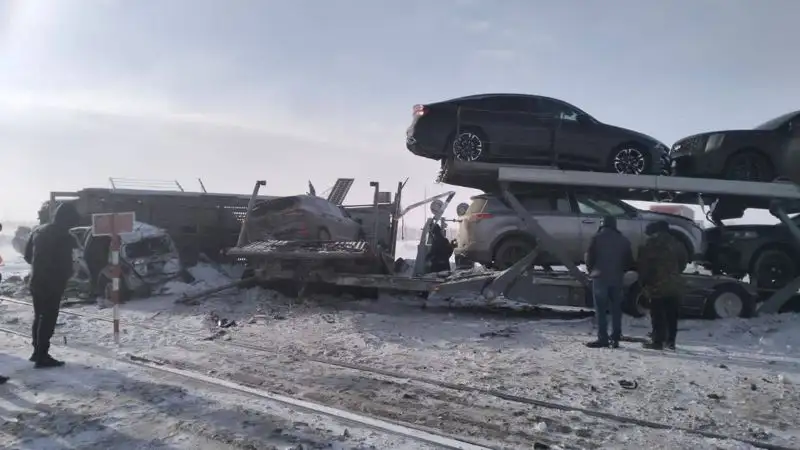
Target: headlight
741,234
140,267
714,141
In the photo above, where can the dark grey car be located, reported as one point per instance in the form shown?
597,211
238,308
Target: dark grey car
492,234
530,129
302,217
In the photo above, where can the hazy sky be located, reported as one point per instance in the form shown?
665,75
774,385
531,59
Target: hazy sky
237,90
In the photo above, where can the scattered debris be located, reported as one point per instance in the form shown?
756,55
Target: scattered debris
628,384
714,396
503,332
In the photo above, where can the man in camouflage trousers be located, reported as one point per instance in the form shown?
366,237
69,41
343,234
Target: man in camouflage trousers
659,265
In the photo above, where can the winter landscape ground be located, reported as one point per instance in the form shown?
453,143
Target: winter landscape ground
496,379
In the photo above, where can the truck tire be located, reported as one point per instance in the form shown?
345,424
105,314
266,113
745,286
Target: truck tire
773,269
635,303
729,301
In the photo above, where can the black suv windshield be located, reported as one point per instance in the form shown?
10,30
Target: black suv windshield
777,122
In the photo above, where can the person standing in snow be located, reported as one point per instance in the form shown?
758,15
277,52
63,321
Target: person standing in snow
441,250
608,258
49,252
659,266
2,378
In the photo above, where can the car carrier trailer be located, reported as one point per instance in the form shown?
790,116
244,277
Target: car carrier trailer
520,283
365,265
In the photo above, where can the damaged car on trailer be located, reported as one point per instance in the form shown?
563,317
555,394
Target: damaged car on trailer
303,217
148,258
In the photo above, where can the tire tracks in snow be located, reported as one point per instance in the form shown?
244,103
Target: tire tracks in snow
256,377
416,433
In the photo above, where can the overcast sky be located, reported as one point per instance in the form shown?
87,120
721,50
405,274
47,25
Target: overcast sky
237,90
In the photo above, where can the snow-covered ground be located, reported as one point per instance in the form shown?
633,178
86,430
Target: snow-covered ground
734,377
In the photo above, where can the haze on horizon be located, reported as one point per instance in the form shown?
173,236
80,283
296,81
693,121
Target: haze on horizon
298,90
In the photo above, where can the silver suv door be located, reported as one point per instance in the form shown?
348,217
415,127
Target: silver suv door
593,208
552,211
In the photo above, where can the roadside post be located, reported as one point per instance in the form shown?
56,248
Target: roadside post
113,224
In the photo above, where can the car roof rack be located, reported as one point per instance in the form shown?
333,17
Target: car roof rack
778,197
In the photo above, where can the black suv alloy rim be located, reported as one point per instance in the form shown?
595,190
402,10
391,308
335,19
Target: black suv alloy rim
629,161
467,147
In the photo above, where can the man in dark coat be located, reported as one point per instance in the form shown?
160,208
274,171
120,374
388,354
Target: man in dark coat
659,266
2,378
441,250
49,252
608,258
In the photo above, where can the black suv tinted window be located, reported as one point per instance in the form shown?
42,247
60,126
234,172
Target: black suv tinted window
555,109
509,103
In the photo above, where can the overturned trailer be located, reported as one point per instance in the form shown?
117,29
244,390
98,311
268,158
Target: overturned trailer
200,223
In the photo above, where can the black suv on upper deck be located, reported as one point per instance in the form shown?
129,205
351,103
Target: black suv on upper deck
752,155
530,129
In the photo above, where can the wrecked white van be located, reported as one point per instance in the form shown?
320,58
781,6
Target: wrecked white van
148,258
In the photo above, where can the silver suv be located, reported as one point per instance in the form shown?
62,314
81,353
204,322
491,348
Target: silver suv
491,233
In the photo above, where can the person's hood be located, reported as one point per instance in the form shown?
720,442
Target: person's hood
66,216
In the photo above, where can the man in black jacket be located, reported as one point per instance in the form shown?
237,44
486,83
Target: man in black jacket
2,378
441,250
49,252
608,258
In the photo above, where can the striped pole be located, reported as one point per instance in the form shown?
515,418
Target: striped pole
115,274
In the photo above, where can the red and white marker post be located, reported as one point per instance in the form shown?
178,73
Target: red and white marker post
113,224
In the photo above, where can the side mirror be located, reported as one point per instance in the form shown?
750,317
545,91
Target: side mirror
461,209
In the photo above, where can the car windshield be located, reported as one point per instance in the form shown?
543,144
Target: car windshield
595,205
777,122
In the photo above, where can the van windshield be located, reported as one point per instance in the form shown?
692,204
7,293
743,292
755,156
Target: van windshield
148,247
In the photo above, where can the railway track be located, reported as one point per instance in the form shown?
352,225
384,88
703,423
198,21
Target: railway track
404,378
415,433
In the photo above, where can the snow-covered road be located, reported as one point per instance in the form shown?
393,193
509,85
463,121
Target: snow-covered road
735,378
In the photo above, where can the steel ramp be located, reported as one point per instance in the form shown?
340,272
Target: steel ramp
340,190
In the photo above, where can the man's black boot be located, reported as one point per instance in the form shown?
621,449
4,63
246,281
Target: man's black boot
597,344
3,379
33,357
47,361
653,345
615,343
670,345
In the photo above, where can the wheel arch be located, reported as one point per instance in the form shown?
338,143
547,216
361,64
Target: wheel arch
508,235
749,149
